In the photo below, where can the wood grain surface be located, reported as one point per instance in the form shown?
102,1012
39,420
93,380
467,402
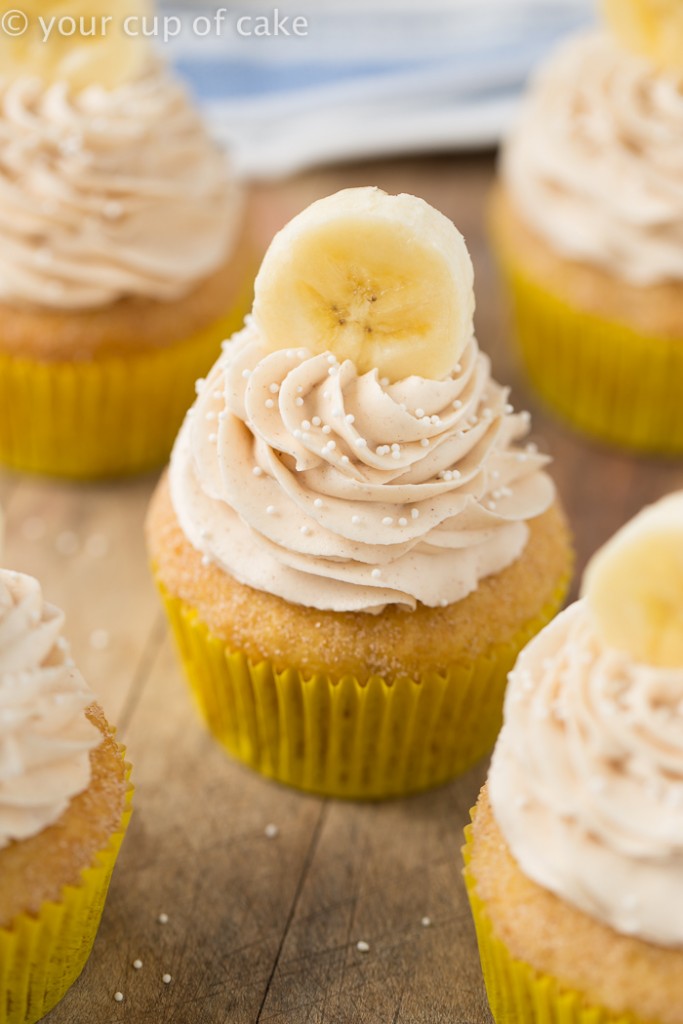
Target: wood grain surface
266,928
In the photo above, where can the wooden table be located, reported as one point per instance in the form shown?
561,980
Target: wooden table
264,928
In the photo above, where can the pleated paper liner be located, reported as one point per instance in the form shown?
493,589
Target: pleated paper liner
346,738
109,417
611,382
42,955
517,993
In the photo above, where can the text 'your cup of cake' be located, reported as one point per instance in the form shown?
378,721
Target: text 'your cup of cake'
575,853
122,262
354,541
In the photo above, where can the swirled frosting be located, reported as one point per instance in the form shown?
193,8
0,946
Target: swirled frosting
595,164
108,193
586,781
335,490
45,738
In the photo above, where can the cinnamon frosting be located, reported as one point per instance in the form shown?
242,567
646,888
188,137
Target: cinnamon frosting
45,737
595,164
586,781
106,194
338,490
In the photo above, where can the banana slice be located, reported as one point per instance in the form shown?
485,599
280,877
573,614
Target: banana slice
634,585
97,52
383,280
652,28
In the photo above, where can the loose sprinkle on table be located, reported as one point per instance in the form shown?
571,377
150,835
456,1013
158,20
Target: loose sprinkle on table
426,922
166,978
363,947
118,996
137,964
163,919
271,831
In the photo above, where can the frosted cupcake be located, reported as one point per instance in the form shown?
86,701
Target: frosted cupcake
121,264
575,855
588,224
64,806
354,541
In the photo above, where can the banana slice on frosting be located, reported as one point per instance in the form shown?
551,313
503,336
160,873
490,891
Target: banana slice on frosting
384,280
80,42
634,585
652,28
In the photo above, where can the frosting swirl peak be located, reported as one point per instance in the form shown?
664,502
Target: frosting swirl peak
106,194
45,737
338,490
586,781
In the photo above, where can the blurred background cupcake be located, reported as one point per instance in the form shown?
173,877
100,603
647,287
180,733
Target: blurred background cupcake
354,540
122,264
575,852
64,806
588,224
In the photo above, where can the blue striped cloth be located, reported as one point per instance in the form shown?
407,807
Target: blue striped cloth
368,79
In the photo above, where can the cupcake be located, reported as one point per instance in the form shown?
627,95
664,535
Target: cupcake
575,854
64,806
353,542
587,222
121,259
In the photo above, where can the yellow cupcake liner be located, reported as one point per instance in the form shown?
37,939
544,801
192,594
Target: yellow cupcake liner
517,993
112,416
609,381
339,736
42,955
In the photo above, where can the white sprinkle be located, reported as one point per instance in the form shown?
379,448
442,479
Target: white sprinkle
333,371
67,543
395,447
273,388
419,413
326,394
403,521
118,997
387,521
163,919
332,360
305,425
210,416
330,446
521,457
301,353
270,404
345,460
443,602
491,505
299,388
488,414
34,528
270,510
217,394
457,368
350,418
298,434
435,419
316,421
113,210
507,408
271,831
327,429
137,964
306,530
384,381
318,503
457,404
362,947
396,455
206,561
360,442
425,442
532,448
376,573
167,979
299,401
356,520
257,471
199,385
414,513
426,922
290,353
213,438
99,639
382,449
337,413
